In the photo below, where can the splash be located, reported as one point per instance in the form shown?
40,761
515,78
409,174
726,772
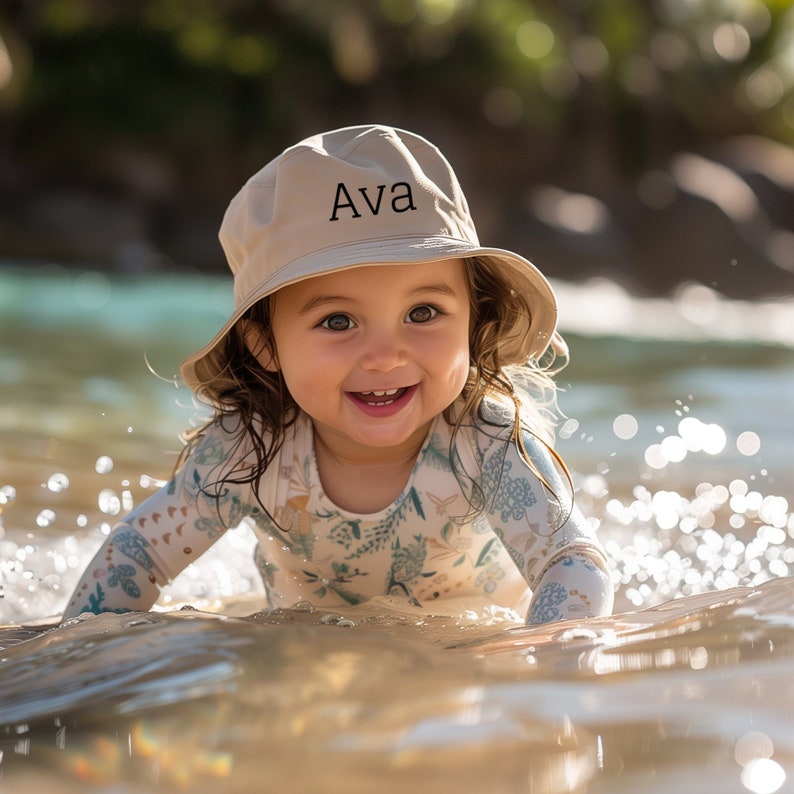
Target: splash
668,542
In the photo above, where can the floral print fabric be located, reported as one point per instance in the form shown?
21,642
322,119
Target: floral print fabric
493,531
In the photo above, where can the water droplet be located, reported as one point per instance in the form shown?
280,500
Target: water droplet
7,494
569,428
58,482
109,502
104,464
45,518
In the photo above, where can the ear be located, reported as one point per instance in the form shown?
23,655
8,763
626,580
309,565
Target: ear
259,346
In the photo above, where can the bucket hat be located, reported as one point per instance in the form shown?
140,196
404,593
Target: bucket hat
352,197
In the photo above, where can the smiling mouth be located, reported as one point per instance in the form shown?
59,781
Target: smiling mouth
385,397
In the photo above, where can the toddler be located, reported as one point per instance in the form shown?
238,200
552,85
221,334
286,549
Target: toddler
383,403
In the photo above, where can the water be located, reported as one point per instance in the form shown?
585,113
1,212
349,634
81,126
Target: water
679,435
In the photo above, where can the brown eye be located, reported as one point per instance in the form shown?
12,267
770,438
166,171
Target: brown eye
337,322
422,314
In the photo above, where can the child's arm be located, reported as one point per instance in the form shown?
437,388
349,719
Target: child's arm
573,586
124,576
145,551
547,536
163,535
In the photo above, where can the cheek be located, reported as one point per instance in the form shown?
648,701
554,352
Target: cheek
463,344
453,355
462,368
464,361
308,368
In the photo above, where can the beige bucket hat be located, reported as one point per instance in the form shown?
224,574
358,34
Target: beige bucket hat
365,195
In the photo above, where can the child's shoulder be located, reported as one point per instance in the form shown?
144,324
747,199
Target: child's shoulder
495,420
492,430
227,435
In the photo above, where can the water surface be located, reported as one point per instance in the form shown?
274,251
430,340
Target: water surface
679,434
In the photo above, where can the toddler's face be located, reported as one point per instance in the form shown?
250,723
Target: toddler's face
373,354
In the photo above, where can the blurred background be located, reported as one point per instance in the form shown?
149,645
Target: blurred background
649,142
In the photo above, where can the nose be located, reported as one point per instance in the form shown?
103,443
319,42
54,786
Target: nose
383,350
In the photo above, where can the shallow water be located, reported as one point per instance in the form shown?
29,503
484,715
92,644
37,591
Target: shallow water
695,696
679,436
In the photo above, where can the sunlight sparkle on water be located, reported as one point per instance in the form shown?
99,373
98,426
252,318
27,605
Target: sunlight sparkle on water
625,426
686,548
693,436
748,443
723,535
763,776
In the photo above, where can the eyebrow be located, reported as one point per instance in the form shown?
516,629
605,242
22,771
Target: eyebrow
318,301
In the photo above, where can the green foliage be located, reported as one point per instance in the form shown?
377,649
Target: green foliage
218,86
176,69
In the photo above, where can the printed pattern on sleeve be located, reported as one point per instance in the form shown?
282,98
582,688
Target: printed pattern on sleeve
434,541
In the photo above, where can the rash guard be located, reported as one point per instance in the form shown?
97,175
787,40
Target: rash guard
477,522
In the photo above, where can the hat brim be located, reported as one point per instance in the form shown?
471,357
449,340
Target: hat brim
527,343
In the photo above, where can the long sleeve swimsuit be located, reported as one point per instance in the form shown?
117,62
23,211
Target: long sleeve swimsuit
484,527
